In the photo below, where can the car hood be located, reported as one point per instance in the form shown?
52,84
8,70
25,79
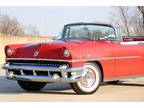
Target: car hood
55,50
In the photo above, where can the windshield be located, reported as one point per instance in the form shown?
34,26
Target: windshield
88,31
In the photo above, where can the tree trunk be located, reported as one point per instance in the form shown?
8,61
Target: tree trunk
141,9
143,20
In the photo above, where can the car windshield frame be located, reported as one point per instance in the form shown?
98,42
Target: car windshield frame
79,24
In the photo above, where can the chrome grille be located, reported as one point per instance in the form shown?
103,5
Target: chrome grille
37,64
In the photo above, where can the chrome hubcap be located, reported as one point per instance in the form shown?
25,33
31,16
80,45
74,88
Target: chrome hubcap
89,79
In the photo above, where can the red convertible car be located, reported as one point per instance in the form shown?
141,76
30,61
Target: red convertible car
84,55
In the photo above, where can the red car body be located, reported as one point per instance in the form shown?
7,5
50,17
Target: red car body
117,59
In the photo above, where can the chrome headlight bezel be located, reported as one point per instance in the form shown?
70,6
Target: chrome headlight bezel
67,53
9,52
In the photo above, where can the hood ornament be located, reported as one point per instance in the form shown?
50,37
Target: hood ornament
36,53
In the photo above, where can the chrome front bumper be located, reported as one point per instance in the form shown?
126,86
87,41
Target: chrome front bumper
50,78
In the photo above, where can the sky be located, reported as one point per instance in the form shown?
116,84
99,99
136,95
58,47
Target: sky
49,20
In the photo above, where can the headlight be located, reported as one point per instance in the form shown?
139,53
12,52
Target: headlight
9,52
66,53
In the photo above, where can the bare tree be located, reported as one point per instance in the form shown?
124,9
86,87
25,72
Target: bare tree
130,19
121,18
136,23
141,9
10,26
31,31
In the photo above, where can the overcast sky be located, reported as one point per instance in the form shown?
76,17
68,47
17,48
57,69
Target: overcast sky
49,20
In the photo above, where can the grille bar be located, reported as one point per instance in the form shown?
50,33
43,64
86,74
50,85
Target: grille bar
37,64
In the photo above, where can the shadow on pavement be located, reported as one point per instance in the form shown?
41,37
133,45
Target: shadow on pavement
122,83
128,84
12,87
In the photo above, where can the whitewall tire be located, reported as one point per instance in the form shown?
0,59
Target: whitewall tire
90,83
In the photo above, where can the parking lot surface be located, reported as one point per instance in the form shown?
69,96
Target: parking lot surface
127,90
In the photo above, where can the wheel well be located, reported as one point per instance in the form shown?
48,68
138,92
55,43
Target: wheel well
100,66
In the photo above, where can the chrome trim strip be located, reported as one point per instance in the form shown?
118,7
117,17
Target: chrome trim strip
83,60
127,57
60,60
132,43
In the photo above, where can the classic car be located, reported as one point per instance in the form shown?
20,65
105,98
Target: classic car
83,55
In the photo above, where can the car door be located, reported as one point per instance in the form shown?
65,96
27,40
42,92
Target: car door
129,59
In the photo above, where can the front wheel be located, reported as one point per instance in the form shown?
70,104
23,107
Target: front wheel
31,86
90,83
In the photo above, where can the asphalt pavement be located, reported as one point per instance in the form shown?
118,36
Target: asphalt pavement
127,90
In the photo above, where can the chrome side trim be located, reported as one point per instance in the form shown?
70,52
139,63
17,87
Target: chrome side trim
132,43
83,60
127,57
